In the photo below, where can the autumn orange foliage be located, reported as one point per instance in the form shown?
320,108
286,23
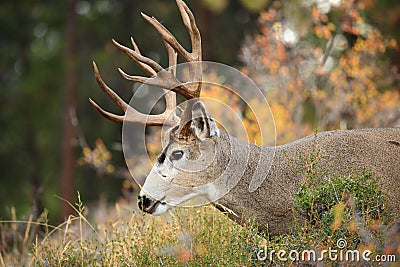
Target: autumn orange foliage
323,69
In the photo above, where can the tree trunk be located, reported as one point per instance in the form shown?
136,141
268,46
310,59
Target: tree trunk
68,157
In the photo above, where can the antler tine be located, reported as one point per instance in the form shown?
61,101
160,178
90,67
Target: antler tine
168,37
195,56
170,96
114,97
160,77
144,66
131,114
106,114
141,61
190,24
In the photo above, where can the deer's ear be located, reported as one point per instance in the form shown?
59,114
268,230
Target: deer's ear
202,123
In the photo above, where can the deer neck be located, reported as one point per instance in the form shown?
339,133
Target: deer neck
252,187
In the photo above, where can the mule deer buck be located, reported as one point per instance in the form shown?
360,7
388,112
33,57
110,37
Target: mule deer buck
199,159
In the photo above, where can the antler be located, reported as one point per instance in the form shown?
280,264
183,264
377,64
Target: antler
160,77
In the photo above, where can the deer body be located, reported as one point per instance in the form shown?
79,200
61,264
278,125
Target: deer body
199,160
377,150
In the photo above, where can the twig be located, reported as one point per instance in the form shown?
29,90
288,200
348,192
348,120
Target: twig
162,264
2,260
78,131
328,51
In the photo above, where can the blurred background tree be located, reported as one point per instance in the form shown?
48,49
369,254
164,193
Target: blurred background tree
49,135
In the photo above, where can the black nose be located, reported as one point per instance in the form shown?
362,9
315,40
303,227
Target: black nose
144,203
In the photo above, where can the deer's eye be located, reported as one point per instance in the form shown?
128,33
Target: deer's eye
176,155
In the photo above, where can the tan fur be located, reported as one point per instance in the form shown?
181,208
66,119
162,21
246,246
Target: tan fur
340,152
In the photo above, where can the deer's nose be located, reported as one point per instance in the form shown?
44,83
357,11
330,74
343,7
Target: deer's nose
143,202
147,204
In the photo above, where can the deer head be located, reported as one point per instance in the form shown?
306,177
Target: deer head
192,137
186,166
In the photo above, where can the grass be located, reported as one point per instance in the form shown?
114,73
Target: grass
341,207
190,237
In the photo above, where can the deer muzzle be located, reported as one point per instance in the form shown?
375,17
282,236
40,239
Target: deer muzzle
147,204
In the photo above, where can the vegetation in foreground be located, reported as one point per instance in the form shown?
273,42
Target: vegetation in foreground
351,208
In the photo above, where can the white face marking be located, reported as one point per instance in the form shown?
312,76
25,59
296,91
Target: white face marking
160,209
212,191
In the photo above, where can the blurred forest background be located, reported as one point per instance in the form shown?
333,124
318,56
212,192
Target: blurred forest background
323,64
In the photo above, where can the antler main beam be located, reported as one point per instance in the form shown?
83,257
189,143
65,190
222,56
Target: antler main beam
160,77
